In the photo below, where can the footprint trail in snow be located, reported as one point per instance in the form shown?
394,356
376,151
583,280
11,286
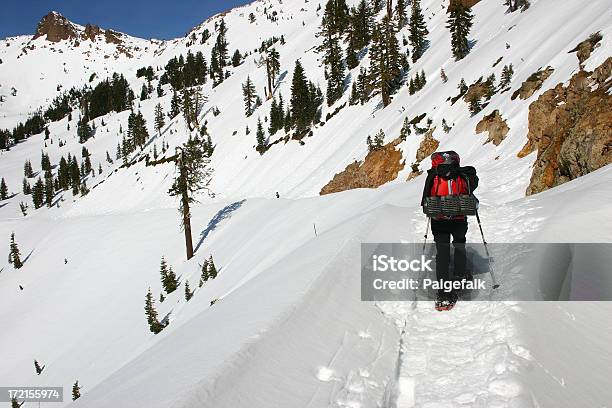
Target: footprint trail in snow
468,357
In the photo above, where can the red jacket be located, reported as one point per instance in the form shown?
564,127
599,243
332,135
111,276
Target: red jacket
440,187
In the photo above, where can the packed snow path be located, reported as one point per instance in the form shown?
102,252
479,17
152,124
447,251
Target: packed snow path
466,357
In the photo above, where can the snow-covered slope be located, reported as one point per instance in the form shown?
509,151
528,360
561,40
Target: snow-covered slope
288,328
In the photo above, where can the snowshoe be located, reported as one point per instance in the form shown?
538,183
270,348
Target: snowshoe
446,302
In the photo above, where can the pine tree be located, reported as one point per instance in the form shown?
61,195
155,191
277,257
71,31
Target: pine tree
400,13
354,97
14,254
204,273
15,403
84,189
377,6
336,70
300,99
137,133
175,105
38,368
417,31
193,176
443,76
188,108
475,106
363,86
27,169
27,189
76,391
445,126
358,34
144,93
3,190
49,188
154,324
489,87
45,163
75,177
212,269
506,76
385,60
84,131
248,92
219,55
378,141
159,118
333,23
459,23
276,116
38,193
236,58
405,131
272,69
422,80
335,17
169,280
463,88
198,101
261,138
188,292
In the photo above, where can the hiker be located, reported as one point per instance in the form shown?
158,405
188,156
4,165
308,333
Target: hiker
446,177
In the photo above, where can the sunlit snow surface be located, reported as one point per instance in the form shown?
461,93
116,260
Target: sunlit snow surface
289,329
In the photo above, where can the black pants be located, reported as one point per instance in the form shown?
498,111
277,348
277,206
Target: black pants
442,231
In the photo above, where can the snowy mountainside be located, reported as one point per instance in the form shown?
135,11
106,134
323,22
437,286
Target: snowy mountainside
288,328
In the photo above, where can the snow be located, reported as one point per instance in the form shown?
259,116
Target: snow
288,328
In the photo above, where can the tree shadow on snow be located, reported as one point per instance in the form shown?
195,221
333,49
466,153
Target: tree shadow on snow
279,81
222,214
27,257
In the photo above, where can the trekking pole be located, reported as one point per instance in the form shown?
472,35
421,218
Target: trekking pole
495,284
426,232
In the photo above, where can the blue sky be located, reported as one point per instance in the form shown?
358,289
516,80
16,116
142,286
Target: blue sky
163,19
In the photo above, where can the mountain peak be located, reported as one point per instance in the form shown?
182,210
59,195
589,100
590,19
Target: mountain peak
56,27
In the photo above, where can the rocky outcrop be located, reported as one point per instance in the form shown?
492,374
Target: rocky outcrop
467,3
379,167
570,127
584,49
495,125
428,146
532,84
112,37
91,32
56,27
475,91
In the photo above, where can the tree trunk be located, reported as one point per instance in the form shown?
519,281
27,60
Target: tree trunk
390,8
186,213
269,78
